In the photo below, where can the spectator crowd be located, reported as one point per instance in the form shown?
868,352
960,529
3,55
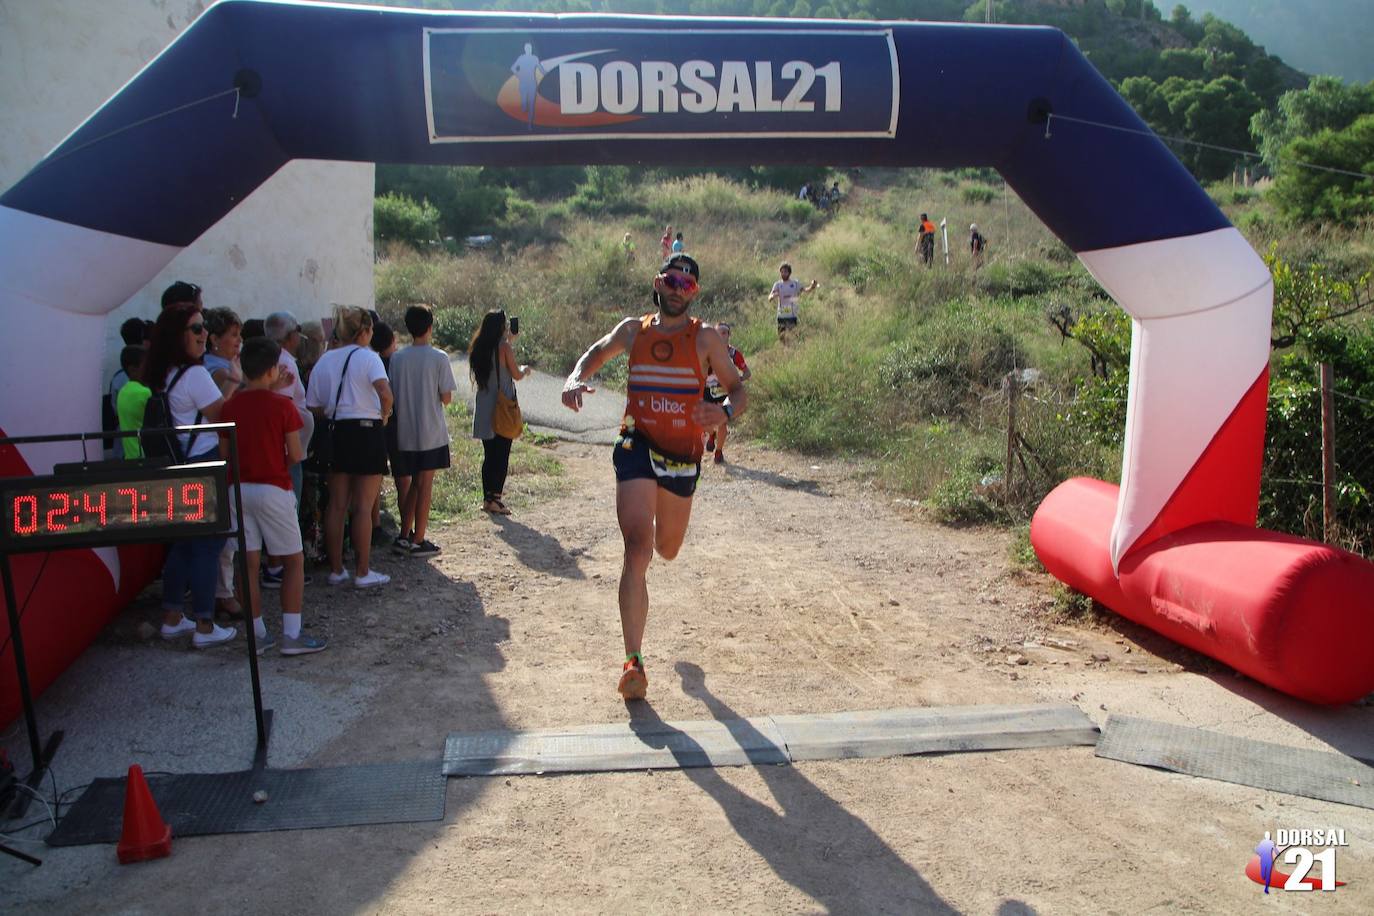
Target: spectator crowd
319,420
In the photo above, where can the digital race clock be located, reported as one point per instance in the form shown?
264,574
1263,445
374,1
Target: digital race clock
113,505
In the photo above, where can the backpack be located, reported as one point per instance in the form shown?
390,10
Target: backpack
157,415
109,418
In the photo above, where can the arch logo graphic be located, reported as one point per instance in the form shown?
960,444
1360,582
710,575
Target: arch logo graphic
503,85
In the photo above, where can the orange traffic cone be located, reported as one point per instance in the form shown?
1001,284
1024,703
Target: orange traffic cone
146,834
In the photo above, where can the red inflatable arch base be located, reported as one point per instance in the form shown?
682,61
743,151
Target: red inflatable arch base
1291,613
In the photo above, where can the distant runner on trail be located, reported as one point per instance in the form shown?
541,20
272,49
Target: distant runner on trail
787,291
715,440
657,457
977,244
926,242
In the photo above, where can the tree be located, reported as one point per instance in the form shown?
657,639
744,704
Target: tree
1342,196
398,218
1216,113
1326,103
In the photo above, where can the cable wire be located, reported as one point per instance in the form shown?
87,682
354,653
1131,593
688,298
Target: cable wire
1212,146
51,160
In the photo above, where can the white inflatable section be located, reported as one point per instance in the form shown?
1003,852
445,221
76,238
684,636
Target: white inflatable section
53,345
71,268
1202,307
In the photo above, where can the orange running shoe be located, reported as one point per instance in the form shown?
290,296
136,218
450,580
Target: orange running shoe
634,683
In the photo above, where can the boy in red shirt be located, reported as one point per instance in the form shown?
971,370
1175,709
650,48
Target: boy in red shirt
269,443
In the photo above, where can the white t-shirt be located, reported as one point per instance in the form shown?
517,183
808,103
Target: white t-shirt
359,400
296,392
195,392
788,291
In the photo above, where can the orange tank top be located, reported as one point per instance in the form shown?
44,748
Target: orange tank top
665,382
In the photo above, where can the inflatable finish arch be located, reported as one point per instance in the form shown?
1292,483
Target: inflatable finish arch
171,153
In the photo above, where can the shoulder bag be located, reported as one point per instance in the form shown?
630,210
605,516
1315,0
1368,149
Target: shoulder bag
506,419
322,442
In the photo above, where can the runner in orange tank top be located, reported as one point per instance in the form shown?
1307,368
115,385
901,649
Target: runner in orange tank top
657,457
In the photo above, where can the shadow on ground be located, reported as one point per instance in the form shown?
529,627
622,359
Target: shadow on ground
814,844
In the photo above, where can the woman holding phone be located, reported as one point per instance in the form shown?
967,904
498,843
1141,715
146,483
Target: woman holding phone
491,359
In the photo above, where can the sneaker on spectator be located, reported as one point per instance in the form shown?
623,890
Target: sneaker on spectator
271,579
372,579
184,628
425,548
401,544
339,578
265,642
309,579
302,645
217,636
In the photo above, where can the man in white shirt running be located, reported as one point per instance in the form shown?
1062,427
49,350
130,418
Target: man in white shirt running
787,291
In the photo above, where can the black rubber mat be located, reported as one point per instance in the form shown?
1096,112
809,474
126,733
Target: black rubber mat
204,803
1197,752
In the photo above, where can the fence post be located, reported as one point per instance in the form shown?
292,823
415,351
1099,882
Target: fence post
1326,379
1013,390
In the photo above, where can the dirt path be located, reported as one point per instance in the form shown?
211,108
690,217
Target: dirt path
798,591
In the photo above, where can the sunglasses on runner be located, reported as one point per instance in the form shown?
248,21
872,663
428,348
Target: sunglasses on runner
682,282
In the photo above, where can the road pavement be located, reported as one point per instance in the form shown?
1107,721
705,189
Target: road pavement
541,403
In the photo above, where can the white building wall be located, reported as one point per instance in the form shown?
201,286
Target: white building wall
301,241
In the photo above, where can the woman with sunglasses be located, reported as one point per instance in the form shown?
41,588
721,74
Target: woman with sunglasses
348,386
174,368
491,359
657,457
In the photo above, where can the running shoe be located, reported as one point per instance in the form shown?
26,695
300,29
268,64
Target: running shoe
720,457
711,442
371,580
217,636
425,548
270,579
184,628
302,645
339,578
264,643
401,544
634,683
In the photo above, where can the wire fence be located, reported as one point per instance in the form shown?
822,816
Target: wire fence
1318,475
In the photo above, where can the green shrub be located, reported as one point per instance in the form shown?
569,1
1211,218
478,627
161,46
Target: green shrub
968,494
453,329
398,218
800,212
977,194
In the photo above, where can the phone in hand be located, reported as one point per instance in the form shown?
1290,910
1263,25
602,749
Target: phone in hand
515,325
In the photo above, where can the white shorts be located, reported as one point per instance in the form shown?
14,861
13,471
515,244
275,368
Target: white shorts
269,519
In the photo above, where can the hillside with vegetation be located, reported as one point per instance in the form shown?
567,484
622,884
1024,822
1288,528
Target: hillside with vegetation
1329,37
909,372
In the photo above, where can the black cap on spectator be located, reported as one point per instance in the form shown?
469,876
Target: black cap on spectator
254,327
180,291
133,332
